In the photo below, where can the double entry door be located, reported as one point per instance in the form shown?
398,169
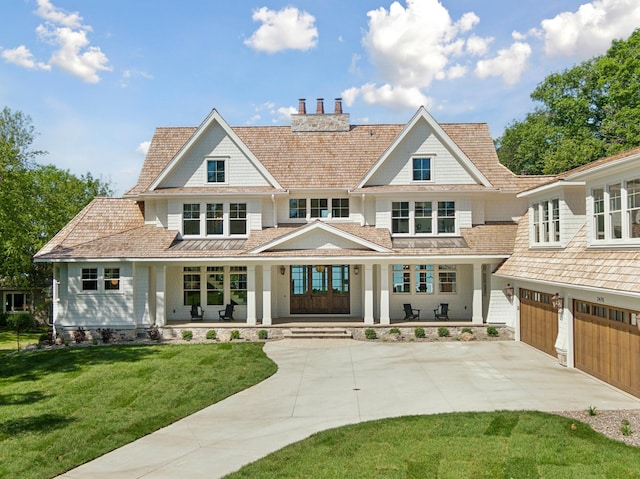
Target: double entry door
320,289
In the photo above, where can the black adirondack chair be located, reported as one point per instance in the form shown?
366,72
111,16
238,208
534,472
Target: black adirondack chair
444,311
410,313
197,313
226,314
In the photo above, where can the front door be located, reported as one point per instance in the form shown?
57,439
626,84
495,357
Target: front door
320,289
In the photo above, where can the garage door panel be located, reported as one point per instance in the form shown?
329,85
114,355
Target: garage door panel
538,321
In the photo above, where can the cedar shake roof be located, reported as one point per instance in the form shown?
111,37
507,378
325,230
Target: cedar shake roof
329,159
615,269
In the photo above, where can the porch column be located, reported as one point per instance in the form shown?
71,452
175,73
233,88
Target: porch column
476,307
266,295
384,294
251,295
161,317
368,294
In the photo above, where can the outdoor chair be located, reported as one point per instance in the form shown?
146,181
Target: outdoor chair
226,314
444,311
197,313
410,313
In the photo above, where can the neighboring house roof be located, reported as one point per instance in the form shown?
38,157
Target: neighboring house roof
615,269
114,228
328,159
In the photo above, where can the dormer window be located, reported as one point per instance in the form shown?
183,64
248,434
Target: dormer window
546,222
616,211
216,171
421,169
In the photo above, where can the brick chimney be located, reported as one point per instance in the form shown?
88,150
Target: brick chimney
302,106
337,110
320,107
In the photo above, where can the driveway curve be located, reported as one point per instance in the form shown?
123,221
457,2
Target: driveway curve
321,384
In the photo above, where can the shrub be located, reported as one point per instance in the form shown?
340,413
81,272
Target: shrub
591,411
235,334
419,332
94,341
467,330
106,334
625,428
187,334
443,332
492,331
79,335
394,331
211,334
370,333
154,332
263,334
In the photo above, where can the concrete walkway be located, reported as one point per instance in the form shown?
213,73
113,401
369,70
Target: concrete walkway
322,384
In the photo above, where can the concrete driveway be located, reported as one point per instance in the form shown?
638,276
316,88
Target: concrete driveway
322,384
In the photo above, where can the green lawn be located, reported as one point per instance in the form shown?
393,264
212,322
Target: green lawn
61,408
8,339
504,445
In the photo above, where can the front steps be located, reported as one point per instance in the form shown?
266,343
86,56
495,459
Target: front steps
318,333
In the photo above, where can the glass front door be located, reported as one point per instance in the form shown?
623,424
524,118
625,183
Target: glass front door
320,289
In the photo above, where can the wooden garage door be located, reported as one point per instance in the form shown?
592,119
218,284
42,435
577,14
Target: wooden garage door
607,344
538,321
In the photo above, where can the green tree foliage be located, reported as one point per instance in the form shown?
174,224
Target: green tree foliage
587,112
36,201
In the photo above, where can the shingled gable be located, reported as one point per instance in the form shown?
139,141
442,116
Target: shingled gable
315,227
442,136
212,120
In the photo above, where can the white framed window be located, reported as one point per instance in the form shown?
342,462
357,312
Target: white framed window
100,280
421,169
597,195
447,278
215,285
89,279
633,207
401,278
319,208
340,207
615,210
191,219
424,278
423,218
400,217
421,279
216,170
111,279
214,219
238,218
545,222
323,208
615,215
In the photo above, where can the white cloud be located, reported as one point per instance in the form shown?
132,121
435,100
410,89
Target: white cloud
509,63
143,147
590,30
456,71
72,53
391,96
413,46
23,57
478,46
285,112
286,29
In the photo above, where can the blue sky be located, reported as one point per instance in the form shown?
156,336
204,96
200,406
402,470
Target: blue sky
97,77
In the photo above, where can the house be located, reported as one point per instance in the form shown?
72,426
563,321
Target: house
320,219
574,272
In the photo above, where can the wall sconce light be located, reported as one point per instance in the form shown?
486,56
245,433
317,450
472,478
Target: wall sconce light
508,291
356,269
557,302
282,270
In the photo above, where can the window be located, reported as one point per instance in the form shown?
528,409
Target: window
89,279
401,278
598,213
633,205
299,279
238,284
215,285
297,208
215,219
15,302
340,208
191,219
615,211
421,169
111,279
423,217
555,216
340,278
536,222
546,221
238,218
215,171
424,278
446,217
447,278
191,285
400,217
319,208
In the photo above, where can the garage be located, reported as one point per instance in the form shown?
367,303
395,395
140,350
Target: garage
607,344
538,321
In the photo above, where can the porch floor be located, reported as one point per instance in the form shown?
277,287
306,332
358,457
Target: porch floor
316,322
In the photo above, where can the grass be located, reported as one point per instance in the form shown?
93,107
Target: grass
8,339
61,408
462,445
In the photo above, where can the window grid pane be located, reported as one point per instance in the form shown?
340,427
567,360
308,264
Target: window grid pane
319,208
238,218
298,208
424,278
89,279
615,213
400,217
340,207
191,285
215,171
598,213
446,217
633,203
423,217
421,169
191,219
111,279
215,219
401,278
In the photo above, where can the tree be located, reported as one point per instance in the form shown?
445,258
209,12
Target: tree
19,322
36,201
587,112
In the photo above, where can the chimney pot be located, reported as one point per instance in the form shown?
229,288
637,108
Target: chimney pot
302,107
320,107
338,107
